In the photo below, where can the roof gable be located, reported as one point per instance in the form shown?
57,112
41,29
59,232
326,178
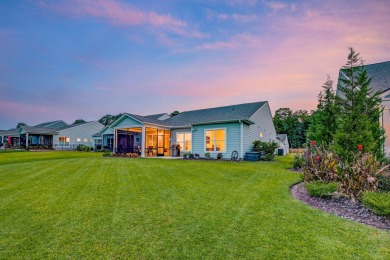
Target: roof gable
380,74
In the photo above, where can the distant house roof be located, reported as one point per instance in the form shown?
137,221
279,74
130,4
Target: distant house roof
157,116
53,124
37,130
10,132
380,74
217,114
282,137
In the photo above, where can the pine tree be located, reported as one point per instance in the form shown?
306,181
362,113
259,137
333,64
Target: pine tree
359,112
323,122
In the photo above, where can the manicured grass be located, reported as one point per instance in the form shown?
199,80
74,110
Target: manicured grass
149,208
12,156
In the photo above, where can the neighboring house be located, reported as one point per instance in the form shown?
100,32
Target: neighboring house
70,136
380,74
40,135
10,137
283,143
213,130
104,139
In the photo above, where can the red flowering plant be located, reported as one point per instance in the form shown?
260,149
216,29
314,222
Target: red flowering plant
320,165
360,147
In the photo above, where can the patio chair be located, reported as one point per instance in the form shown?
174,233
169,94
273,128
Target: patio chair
235,157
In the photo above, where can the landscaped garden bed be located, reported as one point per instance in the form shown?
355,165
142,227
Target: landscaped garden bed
341,206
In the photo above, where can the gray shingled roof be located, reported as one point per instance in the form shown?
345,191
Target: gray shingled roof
380,74
203,116
11,132
216,114
38,130
282,137
148,120
156,116
53,124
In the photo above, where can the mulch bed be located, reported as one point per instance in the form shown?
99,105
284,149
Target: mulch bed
342,207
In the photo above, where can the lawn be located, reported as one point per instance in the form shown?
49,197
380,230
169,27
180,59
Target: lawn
80,205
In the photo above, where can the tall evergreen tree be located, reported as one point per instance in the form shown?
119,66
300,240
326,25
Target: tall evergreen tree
359,111
324,120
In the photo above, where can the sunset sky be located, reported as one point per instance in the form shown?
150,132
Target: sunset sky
82,59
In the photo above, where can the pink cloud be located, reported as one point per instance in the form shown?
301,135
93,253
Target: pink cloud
276,5
121,14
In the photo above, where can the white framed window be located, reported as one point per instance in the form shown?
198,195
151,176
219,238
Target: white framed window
78,139
85,140
63,141
184,140
215,140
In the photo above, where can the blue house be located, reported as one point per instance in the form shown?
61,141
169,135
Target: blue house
212,130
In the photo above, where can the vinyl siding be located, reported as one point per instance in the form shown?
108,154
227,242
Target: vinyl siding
82,131
262,123
127,122
108,130
232,139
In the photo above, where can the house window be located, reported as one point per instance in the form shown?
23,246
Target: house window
137,140
184,140
85,140
215,140
78,139
98,141
64,141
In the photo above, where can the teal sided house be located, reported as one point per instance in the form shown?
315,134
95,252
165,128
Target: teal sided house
213,130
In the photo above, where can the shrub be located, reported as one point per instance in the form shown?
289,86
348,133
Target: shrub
83,148
319,165
207,155
379,203
321,188
219,156
384,183
106,153
267,148
298,162
359,175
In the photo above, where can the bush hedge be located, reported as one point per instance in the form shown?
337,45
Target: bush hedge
321,188
377,202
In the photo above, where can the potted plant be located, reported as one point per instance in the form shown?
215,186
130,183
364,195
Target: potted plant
219,156
197,156
207,155
185,156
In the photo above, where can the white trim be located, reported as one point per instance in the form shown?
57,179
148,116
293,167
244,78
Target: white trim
143,140
181,148
204,140
242,140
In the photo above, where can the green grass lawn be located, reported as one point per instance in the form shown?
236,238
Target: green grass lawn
74,205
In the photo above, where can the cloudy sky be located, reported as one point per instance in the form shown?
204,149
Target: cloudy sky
82,59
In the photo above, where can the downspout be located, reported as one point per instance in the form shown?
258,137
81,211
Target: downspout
241,139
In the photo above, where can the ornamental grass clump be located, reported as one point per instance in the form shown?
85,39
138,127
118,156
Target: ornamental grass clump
320,165
360,175
377,202
321,189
